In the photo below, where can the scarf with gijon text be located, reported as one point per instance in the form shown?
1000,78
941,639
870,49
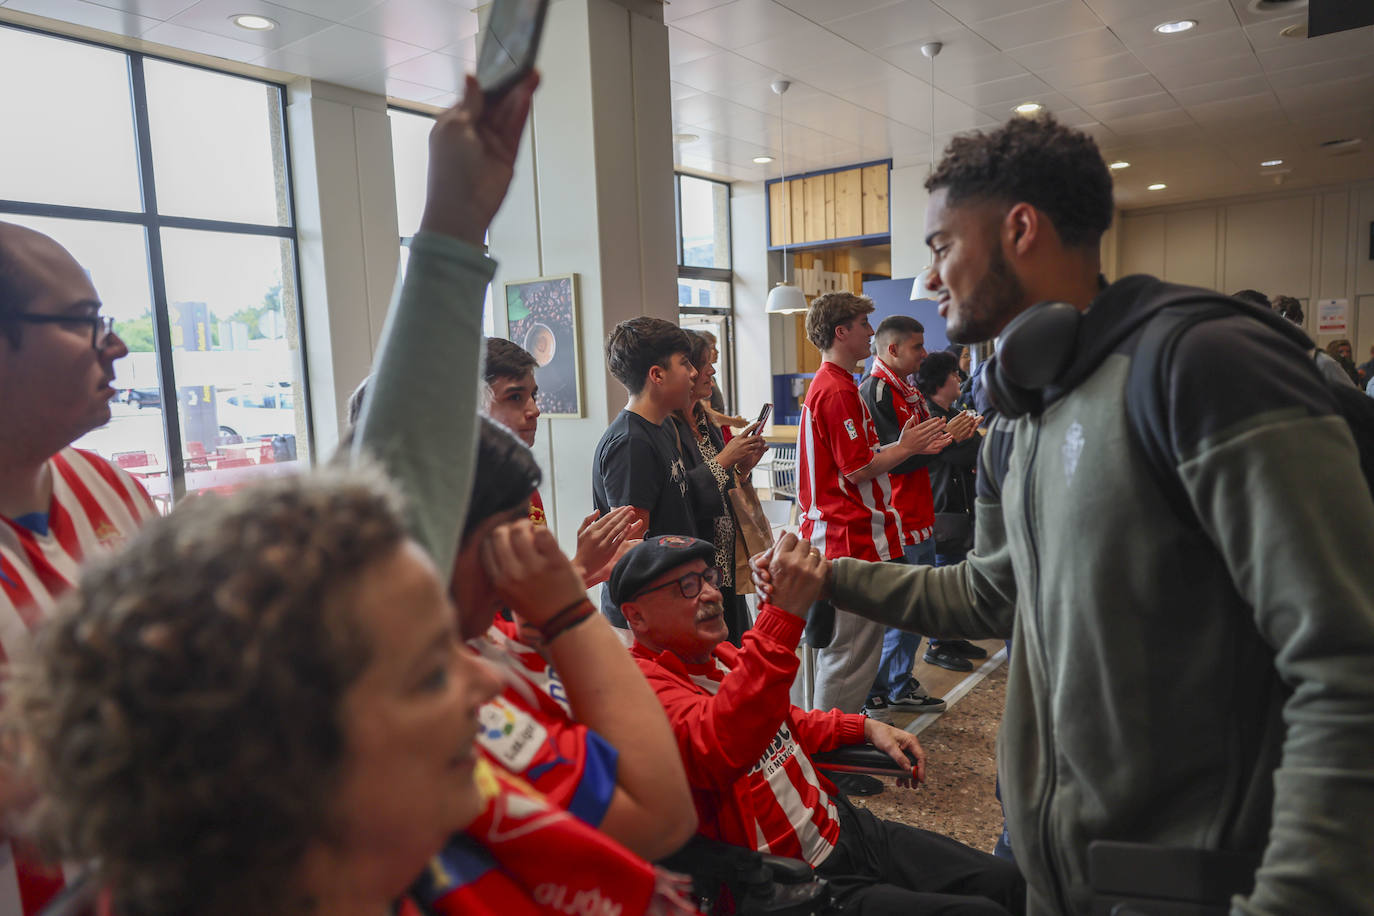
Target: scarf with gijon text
523,856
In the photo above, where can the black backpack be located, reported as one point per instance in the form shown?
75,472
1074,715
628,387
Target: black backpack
1146,395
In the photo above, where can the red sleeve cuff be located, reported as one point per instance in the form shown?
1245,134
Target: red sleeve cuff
852,729
778,624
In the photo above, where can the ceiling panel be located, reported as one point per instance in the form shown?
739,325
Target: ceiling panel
429,24
153,9
90,15
823,11
684,46
1226,89
1211,16
1358,43
743,22
1092,70
1114,90
176,36
809,46
213,16
1125,108
902,23
443,72
971,11
1095,43
674,10
1207,70
1186,50
1012,91
1042,23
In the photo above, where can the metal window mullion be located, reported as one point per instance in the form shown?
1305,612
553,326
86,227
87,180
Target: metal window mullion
677,215
162,322
302,362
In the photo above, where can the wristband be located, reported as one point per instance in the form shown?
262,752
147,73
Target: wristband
566,619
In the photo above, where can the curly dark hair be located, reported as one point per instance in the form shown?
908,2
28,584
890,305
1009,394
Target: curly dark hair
506,360
1289,308
636,345
830,310
701,349
1056,169
180,715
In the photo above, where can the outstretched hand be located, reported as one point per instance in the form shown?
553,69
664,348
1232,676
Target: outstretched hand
529,572
472,150
901,746
925,438
601,542
796,573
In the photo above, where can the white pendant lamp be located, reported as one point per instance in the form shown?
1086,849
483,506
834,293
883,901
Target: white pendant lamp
784,299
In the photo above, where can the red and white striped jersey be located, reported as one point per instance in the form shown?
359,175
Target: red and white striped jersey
95,508
746,749
837,437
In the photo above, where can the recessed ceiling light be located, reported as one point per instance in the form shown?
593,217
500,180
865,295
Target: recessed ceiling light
1177,25
685,138
1119,164
1270,162
763,160
253,22
1028,108
1157,186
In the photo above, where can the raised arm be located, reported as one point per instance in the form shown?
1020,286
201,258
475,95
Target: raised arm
419,417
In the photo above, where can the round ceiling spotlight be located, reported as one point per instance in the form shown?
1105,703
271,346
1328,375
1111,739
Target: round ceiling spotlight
1157,186
1118,164
1029,108
685,138
253,22
763,160
1270,163
1175,26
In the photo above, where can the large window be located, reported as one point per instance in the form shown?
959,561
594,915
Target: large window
704,275
170,185
410,162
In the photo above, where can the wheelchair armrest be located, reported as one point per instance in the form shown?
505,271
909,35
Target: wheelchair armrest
787,871
859,758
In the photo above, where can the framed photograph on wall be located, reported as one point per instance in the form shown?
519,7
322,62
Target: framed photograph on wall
541,316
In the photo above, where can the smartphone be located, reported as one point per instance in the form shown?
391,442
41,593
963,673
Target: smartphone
763,418
510,43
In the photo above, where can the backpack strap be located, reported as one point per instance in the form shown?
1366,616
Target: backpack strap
1147,391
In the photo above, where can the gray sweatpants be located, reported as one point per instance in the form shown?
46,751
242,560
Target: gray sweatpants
846,668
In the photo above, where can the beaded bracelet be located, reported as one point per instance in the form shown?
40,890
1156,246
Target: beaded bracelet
566,619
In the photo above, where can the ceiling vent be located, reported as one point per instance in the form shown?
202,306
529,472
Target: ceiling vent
1276,6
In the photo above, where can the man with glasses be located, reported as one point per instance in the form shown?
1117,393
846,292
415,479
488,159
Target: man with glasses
747,750
58,505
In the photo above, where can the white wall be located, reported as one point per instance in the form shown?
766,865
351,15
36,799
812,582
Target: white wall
1310,244
754,338
908,199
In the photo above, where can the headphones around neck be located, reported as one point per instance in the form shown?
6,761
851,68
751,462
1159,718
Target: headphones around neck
1033,352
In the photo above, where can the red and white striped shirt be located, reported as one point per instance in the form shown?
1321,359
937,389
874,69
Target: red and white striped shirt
95,508
837,437
746,749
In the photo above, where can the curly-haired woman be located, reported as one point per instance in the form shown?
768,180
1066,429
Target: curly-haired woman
261,706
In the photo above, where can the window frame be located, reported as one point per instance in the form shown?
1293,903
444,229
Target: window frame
724,275
153,222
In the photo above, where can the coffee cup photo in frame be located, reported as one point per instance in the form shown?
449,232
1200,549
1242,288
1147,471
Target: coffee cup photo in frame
541,317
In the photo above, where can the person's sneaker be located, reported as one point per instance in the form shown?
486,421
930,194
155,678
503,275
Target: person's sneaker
943,657
914,698
964,648
878,708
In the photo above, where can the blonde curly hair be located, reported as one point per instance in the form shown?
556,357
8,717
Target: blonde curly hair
180,715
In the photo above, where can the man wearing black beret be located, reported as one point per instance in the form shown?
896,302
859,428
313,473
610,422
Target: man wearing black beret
747,750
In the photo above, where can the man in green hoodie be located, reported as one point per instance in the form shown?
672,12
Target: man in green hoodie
1193,666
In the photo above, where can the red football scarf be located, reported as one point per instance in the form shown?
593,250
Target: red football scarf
909,402
525,857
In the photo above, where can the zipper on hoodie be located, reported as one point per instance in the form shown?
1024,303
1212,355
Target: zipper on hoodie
1028,491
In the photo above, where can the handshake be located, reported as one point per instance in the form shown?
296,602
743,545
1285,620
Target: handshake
791,575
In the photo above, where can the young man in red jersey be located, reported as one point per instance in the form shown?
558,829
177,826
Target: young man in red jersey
843,489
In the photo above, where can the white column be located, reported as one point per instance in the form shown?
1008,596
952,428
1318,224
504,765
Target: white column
593,195
349,243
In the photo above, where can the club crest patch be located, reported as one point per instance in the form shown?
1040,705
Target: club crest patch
849,428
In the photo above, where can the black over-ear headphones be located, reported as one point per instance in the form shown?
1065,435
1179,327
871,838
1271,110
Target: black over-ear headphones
1032,353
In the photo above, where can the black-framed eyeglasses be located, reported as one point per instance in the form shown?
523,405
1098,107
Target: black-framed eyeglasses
102,326
690,584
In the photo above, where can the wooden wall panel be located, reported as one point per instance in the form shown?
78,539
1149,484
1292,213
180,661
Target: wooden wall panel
849,214
875,199
1190,247
813,189
798,205
1142,245
1269,247
777,228
829,178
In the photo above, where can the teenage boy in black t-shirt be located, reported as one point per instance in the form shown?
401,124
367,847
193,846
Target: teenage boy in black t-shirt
637,461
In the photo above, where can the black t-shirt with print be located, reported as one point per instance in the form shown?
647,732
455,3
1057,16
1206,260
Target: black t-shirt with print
638,464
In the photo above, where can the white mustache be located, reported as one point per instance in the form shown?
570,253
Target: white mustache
707,611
